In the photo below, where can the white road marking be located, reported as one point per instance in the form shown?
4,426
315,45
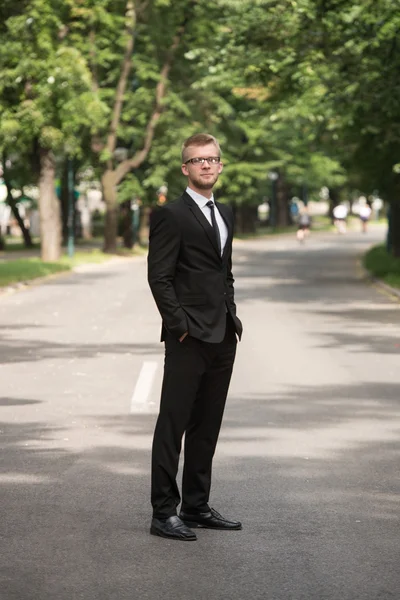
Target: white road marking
139,400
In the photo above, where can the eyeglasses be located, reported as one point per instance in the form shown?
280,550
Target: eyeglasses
212,160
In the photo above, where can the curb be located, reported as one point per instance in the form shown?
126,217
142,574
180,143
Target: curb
381,284
386,287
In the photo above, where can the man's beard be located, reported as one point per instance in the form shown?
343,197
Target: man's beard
205,184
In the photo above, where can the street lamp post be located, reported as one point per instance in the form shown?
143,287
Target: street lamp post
273,176
70,220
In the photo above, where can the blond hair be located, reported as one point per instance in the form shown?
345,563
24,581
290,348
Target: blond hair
198,139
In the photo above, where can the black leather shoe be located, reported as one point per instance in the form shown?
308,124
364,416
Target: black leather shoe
172,528
209,520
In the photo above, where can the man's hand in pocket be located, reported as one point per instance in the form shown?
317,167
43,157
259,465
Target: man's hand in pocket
183,336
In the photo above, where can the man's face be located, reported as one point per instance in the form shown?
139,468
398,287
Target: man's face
202,176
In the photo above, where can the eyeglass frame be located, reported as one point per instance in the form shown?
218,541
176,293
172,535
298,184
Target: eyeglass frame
202,160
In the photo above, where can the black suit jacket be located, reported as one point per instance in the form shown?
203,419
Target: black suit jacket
191,283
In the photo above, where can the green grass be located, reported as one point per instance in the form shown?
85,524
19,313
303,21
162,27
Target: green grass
25,269
382,265
84,256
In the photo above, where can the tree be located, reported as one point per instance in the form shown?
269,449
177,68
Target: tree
328,72
307,88
9,182
46,101
131,54
242,97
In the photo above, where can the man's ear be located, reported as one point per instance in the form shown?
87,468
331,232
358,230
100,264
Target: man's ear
220,167
185,169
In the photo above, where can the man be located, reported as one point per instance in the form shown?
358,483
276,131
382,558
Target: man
189,272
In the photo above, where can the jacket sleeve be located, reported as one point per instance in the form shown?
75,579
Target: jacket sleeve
164,247
230,281
229,277
231,293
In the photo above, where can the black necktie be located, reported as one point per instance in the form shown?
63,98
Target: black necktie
211,206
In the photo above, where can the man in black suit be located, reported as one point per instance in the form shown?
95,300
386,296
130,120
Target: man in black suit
190,276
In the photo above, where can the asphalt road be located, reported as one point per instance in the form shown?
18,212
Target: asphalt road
308,456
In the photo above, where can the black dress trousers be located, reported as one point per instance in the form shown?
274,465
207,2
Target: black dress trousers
195,386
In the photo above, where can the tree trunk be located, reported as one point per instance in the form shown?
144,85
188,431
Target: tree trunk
13,205
282,208
111,217
245,217
127,229
248,217
144,225
64,201
395,228
334,200
25,232
49,208
111,178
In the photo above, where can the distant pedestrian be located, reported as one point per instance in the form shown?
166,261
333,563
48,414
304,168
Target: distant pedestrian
365,215
340,217
294,210
190,276
303,225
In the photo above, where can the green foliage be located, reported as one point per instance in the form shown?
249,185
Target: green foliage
130,188
46,92
24,269
304,87
383,265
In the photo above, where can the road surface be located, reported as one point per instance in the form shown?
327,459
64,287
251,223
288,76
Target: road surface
308,457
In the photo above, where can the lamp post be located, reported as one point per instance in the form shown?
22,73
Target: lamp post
273,176
70,220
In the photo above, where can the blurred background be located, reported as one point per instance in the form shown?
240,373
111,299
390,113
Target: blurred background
96,98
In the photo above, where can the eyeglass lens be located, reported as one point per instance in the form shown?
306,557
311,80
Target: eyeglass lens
212,160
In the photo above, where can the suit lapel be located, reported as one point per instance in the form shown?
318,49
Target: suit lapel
197,212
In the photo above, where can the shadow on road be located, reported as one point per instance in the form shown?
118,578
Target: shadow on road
14,351
311,471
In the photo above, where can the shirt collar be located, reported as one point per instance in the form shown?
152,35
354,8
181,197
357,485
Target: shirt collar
200,200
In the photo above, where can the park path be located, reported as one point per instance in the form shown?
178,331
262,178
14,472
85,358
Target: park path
308,454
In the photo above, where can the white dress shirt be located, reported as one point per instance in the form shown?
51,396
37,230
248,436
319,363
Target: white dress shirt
201,202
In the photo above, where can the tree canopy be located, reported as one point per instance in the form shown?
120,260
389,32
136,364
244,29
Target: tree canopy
306,88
